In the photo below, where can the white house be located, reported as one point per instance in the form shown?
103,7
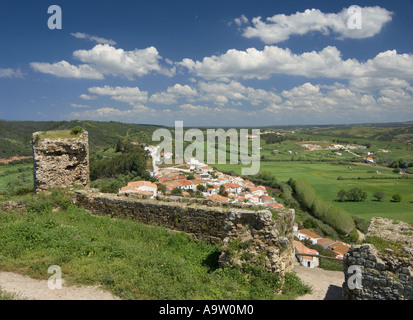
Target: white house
233,187
307,234
185,184
257,191
205,169
307,261
140,187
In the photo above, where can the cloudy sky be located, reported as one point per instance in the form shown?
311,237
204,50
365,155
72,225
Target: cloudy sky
208,63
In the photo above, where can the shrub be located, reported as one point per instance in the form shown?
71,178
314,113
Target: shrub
176,192
379,195
397,197
355,195
361,224
76,130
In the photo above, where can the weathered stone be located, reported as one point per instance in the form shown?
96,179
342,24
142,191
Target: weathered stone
258,234
60,162
385,280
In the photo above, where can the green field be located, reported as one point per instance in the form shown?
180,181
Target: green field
15,173
323,177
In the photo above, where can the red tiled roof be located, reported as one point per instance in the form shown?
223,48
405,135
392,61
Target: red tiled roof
184,182
309,233
137,184
217,197
301,248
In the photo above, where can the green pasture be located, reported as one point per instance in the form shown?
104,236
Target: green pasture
323,177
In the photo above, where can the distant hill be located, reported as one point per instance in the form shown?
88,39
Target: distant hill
15,136
392,132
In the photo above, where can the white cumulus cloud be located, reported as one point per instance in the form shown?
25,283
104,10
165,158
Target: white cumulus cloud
67,70
118,62
327,63
281,27
131,95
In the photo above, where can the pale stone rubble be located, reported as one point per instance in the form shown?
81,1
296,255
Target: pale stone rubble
60,163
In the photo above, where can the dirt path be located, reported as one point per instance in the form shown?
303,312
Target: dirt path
326,285
14,159
27,288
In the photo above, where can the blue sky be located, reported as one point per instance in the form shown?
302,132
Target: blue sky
209,63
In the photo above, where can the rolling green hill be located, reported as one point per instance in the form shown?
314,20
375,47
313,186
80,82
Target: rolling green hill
15,136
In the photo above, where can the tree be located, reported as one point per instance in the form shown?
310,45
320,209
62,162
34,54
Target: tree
161,188
402,164
356,195
176,192
341,195
397,197
379,195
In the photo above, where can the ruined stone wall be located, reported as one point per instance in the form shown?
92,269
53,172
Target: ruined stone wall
260,238
60,163
264,239
383,276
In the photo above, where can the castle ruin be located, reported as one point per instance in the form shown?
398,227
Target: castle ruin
60,159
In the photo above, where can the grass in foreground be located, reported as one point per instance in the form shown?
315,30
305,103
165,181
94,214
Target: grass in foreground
132,260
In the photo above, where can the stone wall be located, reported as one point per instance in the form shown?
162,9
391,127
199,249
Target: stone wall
269,238
260,238
60,163
383,276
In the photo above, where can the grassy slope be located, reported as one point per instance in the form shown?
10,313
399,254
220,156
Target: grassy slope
130,259
15,136
11,172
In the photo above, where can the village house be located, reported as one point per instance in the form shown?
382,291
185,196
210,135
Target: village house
266,199
369,159
185,184
339,248
140,187
325,242
307,234
307,261
257,191
233,187
217,197
205,169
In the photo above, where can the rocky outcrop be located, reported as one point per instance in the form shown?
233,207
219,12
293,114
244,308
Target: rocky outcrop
60,162
391,230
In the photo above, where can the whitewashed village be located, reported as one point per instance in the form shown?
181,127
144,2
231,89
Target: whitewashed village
200,179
